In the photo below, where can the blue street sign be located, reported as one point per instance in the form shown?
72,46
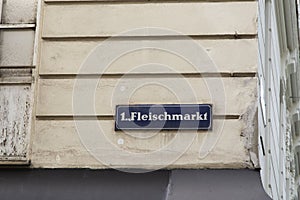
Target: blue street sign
164,117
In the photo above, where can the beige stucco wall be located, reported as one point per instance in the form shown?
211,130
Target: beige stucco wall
70,30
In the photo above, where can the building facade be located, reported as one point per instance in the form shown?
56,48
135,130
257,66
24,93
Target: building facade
64,40
66,65
278,38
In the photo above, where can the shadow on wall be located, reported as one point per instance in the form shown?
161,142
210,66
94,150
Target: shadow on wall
81,184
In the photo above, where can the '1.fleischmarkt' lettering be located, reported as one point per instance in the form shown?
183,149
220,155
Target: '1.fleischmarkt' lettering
138,116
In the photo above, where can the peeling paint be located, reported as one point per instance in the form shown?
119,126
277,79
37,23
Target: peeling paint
250,133
15,115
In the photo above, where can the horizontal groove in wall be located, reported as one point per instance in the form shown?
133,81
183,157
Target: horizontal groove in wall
149,75
220,117
16,81
70,117
108,117
137,1
17,26
150,37
15,72
27,83
17,67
